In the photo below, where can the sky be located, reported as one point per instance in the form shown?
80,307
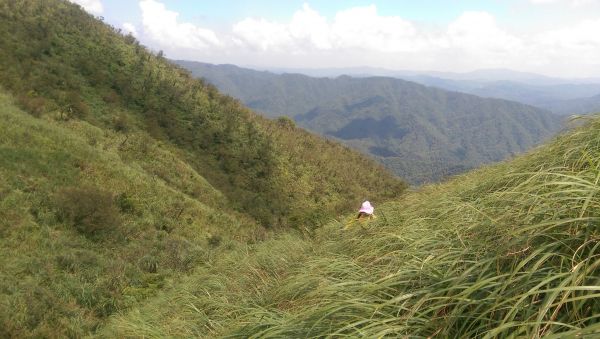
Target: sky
551,37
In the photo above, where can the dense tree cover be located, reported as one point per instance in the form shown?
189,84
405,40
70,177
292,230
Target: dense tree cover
422,133
558,95
56,59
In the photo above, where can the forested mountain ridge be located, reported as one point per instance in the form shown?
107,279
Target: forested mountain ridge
558,95
559,98
577,106
421,133
120,173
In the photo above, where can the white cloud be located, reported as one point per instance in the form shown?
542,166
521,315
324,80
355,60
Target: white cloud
262,35
579,43
574,3
162,26
306,31
129,28
310,28
354,28
361,30
361,36
92,6
362,27
478,38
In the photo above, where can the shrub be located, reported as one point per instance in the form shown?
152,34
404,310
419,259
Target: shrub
76,107
148,263
90,210
125,203
286,122
35,106
180,254
214,240
121,123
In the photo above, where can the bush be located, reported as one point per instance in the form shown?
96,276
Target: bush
125,203
286,122
121,123
181,255
214,240
35,106
90,210
148,263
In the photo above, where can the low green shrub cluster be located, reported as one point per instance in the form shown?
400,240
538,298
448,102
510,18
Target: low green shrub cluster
92,211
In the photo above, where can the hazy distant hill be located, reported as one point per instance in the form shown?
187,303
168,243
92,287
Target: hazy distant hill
561,96
481,75
422,133
577,106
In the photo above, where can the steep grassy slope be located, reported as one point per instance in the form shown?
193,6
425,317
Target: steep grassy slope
91,224
120,174
57,60
421,133
510,250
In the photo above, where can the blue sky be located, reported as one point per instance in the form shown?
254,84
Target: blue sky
555,37
433,11
218,13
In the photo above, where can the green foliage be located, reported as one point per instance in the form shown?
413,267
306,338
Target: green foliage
63,276
421,133
125,204
76,67
90,210
286,122
509,250
121,123
128,175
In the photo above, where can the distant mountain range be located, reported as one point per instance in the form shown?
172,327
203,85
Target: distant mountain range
561,96
486,75
420,132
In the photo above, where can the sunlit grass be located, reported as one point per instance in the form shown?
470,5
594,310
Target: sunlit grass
510,250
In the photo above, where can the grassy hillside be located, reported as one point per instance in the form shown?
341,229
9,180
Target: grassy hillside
120,174
423,134
510,250
59,61
91,224
138,201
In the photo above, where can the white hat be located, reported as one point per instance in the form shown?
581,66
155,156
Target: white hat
366,208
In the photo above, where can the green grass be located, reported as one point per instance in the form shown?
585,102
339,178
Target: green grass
76,68
121,175
510,250
90,225
183,176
